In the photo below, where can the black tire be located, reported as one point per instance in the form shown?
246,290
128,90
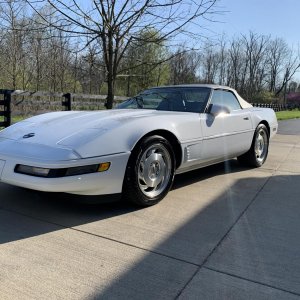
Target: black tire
150,171
258,152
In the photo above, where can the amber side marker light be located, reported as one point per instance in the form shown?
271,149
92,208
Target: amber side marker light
103,167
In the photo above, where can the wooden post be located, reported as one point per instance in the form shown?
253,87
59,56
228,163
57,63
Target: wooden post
6,103
7,108
67,101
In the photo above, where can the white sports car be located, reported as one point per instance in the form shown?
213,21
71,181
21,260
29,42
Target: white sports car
136,149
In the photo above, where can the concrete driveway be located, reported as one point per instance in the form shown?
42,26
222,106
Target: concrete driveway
223,232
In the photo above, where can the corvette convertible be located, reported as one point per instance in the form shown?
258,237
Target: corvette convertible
136,149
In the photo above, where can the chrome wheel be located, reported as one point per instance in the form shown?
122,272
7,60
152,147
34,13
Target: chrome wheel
261,145
257,154
150,171
154,170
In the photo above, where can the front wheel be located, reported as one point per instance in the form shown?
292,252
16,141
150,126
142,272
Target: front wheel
150,171
258,152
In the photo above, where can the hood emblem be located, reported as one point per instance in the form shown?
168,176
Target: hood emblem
28,135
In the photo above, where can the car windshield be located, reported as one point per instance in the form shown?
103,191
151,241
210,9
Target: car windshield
182,99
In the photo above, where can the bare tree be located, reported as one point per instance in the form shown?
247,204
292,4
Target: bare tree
292,65
115,24
184,66
277,53
12,19
255,47
236,67
211,63
256,65
293,87
223,60
37,56
91,70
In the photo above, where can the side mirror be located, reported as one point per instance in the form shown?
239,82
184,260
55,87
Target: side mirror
217,109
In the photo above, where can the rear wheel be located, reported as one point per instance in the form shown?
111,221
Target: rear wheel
258,152
150,171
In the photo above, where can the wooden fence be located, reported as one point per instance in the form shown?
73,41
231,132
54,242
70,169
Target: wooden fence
26,103
275,107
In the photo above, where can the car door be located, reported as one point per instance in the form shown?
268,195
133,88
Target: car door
227,134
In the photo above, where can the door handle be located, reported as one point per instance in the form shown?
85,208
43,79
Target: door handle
246,118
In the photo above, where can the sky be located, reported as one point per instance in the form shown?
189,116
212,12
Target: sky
280,18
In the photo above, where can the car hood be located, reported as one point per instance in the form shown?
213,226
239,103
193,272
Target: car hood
88,134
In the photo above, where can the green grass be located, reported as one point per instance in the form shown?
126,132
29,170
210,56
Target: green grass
16,119
288,114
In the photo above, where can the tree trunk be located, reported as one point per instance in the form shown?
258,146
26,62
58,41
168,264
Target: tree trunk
110,91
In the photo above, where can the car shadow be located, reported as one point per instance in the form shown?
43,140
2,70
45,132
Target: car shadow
55,211
25,213
240,234
48,212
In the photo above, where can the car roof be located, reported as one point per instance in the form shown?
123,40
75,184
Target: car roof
211,86
243,102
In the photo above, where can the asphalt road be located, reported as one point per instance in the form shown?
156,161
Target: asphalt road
290,127
223,232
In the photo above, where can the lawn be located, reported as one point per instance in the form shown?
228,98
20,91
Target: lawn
16,119
288,114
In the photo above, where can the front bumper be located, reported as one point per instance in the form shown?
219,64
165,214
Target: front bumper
99,183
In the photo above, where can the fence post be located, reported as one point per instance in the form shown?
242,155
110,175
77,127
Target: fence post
67,101
7,108
6,103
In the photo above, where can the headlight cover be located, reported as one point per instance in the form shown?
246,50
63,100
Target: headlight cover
34,171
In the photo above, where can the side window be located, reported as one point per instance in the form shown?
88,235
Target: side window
225,98
196,99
